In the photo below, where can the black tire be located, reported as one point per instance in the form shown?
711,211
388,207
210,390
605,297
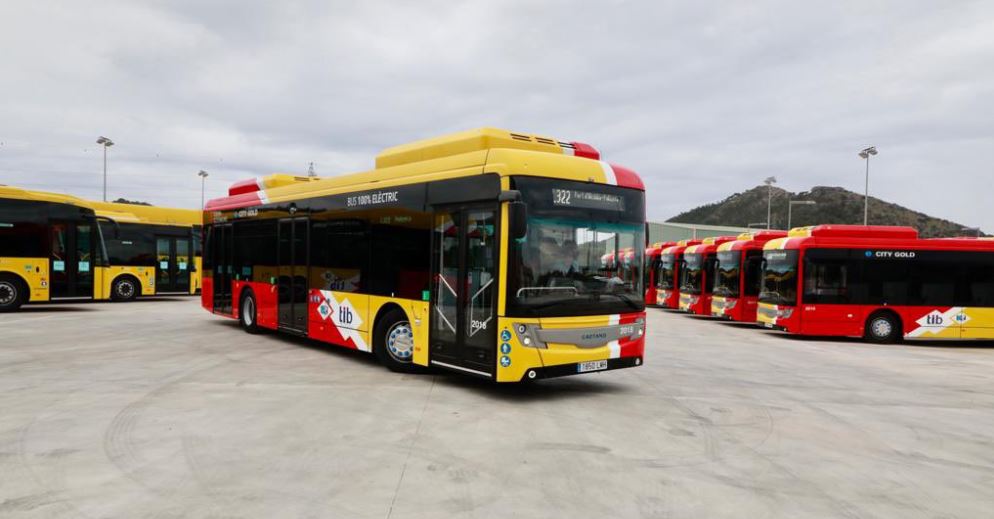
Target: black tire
883,327
248,312
13,293
124,288
393,342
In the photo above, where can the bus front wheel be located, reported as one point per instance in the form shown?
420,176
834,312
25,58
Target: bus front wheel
125,288
393,342
883,327
248,313
12,293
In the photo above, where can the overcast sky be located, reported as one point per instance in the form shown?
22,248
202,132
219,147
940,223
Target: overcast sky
702,99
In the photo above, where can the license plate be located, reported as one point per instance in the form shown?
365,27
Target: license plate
594,365
768,325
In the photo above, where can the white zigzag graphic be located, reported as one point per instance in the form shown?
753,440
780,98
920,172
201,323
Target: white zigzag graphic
335,314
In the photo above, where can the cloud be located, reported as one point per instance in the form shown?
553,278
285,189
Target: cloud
703,99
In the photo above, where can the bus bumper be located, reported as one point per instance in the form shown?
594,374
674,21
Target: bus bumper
530,349
564,370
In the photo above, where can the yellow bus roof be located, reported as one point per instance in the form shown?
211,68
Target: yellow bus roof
122,213
473,152
466,142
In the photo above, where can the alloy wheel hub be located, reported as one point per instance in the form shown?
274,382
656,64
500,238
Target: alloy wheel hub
400,342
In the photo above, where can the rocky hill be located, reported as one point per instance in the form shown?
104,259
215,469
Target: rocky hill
833,205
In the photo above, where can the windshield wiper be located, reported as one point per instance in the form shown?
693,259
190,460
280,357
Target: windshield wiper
769,293
628,301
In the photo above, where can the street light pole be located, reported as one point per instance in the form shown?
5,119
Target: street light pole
790,207
769,198
106,143
203,178
865,153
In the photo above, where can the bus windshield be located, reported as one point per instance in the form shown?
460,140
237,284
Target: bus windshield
726,283
583,253
692,274
667,267
779,277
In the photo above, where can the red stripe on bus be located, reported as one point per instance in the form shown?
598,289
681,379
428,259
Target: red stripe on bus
234,202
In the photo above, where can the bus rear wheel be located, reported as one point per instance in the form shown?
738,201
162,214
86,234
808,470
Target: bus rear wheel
393,342
12,293
248,313
125,288
883,327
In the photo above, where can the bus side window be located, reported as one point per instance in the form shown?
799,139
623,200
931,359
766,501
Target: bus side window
980,276
826,281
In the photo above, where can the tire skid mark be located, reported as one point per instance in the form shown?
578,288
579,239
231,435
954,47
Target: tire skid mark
119,445
27,465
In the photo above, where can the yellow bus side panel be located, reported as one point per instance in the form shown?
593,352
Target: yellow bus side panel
145,276
195,283
417,314
979,323
34,271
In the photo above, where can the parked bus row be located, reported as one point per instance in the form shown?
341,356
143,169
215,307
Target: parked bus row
878,282
57,247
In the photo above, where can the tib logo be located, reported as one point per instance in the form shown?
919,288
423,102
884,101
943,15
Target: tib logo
344,314
934,319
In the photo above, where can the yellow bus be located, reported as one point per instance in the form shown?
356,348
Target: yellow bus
478,252
56,247
151,250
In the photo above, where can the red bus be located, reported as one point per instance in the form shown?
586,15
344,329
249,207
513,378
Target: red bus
877,282
652,255
697,276
738,276
668,275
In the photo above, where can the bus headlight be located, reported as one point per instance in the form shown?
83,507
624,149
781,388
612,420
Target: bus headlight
528,335
784,313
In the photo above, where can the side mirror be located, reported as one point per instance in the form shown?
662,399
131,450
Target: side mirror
517,214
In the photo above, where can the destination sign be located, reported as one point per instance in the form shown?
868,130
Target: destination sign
587,200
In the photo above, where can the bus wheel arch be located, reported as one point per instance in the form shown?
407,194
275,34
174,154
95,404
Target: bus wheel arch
883,326
393,339
125,287
14,292
248,311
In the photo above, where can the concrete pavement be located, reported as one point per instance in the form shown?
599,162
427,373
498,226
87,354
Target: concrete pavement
158,409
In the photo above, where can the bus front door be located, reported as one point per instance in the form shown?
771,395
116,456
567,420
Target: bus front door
173,264
292,282
71,260
463,332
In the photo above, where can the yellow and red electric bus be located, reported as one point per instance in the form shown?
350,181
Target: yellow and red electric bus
668,275
54,247
652,255
697,275
481,252
877,282
738,276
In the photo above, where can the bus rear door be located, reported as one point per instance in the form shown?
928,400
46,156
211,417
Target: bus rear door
292,281
71,259
173,264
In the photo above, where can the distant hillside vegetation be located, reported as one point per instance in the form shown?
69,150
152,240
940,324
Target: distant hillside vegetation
834,205
132,202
